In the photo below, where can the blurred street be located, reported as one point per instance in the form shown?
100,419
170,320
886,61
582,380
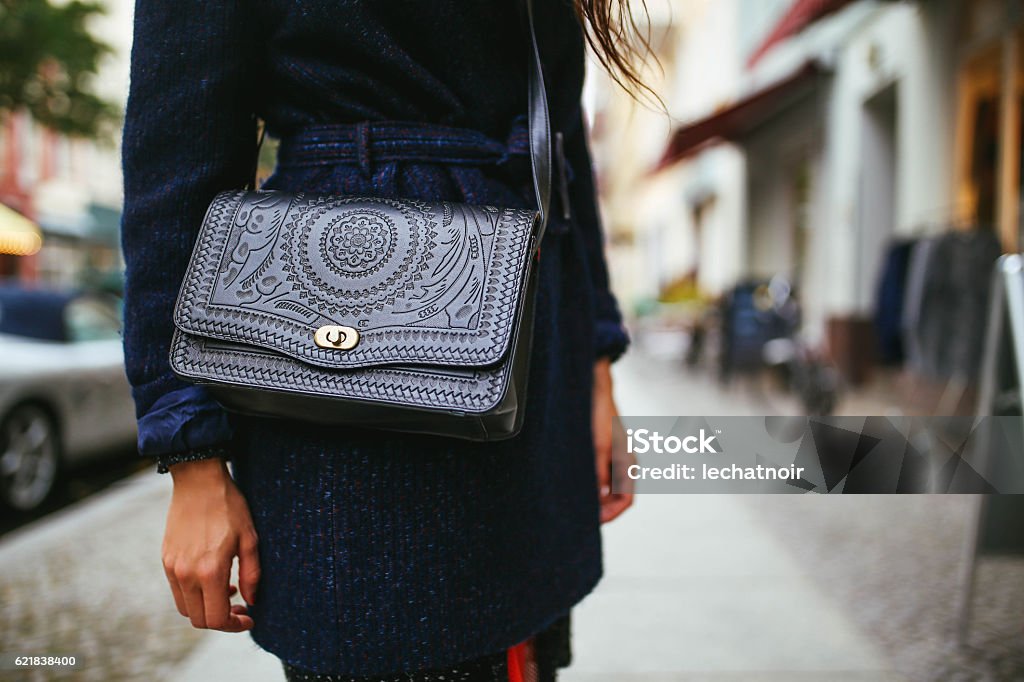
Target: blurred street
85,482
696,588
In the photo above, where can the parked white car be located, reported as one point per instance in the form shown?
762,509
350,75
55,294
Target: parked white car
64,397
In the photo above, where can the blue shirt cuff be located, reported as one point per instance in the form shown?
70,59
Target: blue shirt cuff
612,339
183,420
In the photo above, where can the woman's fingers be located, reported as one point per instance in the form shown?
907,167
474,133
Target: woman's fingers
172,580
603,444
603,421
192,590
613,504
204,598
248,566
240,618
239,623
214,576
204,589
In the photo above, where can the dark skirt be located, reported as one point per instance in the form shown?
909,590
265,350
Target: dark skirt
383,552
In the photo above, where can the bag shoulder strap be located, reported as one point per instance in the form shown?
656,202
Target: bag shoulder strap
539,128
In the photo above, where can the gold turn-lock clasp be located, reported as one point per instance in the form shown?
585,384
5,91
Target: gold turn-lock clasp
336,337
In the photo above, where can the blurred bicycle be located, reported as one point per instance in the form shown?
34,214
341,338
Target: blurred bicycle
759,331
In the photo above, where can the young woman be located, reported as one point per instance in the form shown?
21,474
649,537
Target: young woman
367,554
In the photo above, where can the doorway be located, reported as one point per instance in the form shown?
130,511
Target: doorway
878,178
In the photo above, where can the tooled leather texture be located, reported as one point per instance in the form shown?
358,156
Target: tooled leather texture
470,390
433,288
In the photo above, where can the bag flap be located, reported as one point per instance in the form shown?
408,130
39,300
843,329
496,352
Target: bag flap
434,283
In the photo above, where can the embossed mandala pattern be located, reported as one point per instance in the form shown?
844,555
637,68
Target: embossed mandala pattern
358,243
359,259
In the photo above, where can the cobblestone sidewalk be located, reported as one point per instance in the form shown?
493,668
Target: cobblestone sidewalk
87,581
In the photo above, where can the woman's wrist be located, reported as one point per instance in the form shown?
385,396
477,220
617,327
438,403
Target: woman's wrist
603,372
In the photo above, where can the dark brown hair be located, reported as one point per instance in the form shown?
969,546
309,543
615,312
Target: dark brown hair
618,41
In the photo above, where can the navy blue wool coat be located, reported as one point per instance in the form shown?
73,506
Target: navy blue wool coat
380,552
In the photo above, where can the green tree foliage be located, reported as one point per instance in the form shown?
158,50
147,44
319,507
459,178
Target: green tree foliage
47,61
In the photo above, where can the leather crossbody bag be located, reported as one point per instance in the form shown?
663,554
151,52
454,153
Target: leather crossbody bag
396,314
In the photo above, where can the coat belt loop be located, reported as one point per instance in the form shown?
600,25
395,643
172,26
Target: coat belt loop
363,148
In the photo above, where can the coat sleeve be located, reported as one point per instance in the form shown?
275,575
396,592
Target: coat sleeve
189,132
610,335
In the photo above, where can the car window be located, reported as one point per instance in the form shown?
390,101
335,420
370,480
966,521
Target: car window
91,319
32,314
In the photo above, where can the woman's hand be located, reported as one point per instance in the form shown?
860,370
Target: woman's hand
208,524
603,421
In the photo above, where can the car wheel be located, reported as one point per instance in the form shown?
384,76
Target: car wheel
29,457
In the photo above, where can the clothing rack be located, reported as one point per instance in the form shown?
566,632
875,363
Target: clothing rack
951,356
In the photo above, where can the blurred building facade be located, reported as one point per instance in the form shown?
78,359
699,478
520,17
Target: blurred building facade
806,138
68,189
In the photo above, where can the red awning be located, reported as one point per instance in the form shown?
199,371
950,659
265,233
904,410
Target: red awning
799,16
739,118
